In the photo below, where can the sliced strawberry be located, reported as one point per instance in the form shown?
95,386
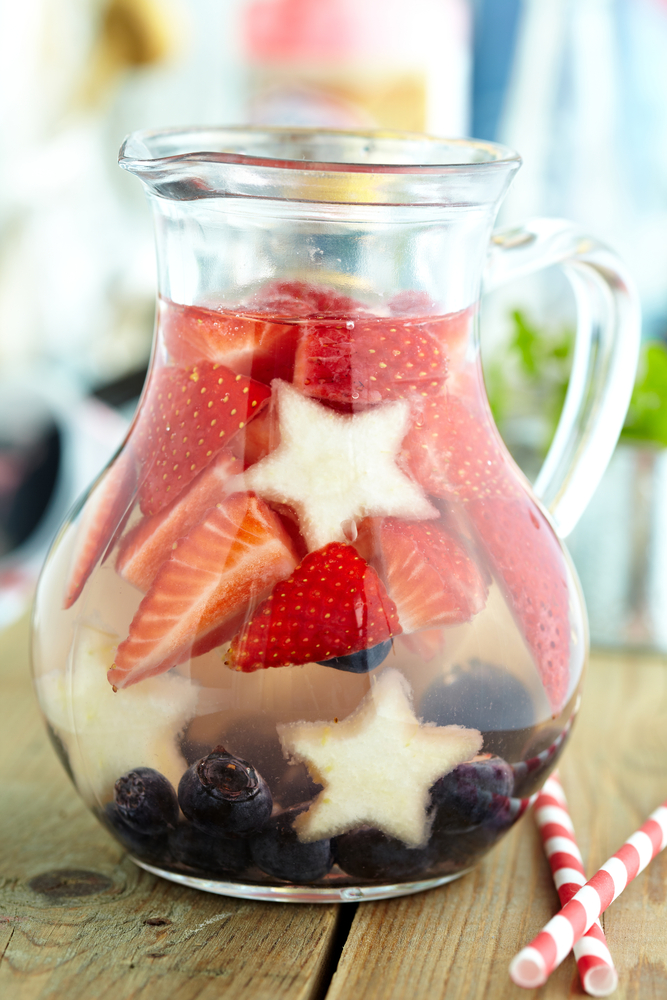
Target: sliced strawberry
355,363
102,519
152,540
333,604
301,299
227,563
188,416
259,437
253,346
455,451
428,574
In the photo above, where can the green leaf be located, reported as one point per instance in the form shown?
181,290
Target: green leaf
526,341
647,414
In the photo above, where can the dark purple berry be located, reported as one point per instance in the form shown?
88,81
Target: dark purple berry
225,796
147,847
483,696
369,853
146,801
457,851
189,846
361,662
278,851
295,787
471,794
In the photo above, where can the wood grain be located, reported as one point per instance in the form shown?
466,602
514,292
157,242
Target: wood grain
79,921
455,943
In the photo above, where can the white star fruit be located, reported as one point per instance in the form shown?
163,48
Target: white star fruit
107,733
377,765
335,469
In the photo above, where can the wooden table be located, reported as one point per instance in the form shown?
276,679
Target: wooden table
79,920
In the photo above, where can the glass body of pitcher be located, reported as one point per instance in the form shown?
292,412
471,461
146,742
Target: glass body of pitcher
311,635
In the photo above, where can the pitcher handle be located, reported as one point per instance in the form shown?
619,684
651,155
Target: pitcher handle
604,361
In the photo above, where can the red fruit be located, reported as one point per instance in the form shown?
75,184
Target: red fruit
454,451
427,573
101,521
259,437
359,362
152,540
332,605
228,562
253,346
188,416
301,299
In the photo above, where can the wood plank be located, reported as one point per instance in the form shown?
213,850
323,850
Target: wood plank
79,920
455,943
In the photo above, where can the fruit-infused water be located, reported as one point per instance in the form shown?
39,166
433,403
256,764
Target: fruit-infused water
310,633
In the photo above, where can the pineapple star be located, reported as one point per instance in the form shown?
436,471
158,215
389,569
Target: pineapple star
335,469
377,765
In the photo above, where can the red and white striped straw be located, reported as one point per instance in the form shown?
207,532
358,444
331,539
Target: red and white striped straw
596,966
525,767
535,963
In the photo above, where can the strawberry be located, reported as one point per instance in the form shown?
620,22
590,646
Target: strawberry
252,346
230,560
103,517
334,604
454,450
259,437
354,363
428,574
301,299
152,540
188,416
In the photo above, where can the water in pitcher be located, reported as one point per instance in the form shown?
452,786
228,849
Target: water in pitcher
310,628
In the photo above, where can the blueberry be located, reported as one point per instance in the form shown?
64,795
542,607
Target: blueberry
361,662
147,847
146,801
278,851
457,850
224,795
295,786
189,846
483,696
471,794
369,853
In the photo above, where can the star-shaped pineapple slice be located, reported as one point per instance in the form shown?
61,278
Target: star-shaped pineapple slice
377,765
334,469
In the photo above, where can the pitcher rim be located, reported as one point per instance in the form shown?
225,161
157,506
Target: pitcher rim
490,154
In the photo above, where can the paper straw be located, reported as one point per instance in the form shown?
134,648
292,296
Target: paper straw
535,963
596,966
525,767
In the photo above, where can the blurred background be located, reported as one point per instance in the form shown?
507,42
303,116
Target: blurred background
579,87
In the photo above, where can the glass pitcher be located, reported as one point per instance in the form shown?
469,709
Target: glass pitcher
311,635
